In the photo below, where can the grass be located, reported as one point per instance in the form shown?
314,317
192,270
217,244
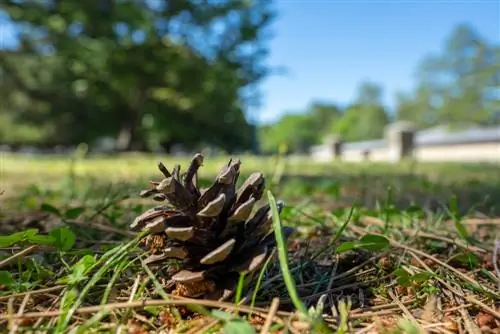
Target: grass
377,248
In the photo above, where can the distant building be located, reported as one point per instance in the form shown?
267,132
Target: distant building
402,140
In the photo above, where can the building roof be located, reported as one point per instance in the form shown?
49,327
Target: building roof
442,135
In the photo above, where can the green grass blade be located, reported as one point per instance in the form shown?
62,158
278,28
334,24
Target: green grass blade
283,256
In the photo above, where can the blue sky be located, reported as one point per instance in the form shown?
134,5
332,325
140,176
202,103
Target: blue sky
329,46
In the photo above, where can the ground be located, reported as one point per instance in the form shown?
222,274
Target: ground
405,248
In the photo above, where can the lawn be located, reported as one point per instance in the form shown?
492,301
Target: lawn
376,248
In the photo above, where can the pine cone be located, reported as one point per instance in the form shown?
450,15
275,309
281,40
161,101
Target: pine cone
213,230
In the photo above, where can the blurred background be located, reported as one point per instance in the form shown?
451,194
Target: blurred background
251,76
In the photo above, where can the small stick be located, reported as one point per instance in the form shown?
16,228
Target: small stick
272,312
19,312
22,253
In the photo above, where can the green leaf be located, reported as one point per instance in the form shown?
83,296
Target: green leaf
30,232
421,277
454,206
403,277
403,281
41,240
339,212
368,241
238,326
374,242
414,209
9,240
7,279
153,310
64,238
347,246
400,272
80,270
468,259
287,213
221,315
73,212
461,229
68,299
49,208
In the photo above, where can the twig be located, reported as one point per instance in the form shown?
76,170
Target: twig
22,253
203,328
140,304
407,232
15,325
130,300
367,329
468,323
433,258
34,292
401,305
447,266
381,306
339,288
458,293
272,311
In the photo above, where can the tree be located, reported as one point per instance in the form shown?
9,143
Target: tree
366,118
300,130
369,93
322,115
295,131
361,122
147,73
460,84
416,108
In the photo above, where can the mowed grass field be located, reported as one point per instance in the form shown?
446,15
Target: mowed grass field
377,248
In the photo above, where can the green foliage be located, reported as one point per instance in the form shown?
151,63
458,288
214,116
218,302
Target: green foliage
120,69
405,279
79,270
361,122
9,240
61,238
366,118
369,241
7,279
457,85
50,208
299,131
233,324
293,131
283,256
64,238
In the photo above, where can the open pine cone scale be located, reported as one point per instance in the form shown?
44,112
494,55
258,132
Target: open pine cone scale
212,230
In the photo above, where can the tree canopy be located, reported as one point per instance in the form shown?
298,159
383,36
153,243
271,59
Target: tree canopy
149,74
458,86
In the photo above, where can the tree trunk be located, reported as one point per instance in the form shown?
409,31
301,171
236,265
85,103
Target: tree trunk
167,146
130,138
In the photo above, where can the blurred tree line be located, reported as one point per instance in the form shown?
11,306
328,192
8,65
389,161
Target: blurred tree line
155,73
148,73
458,87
